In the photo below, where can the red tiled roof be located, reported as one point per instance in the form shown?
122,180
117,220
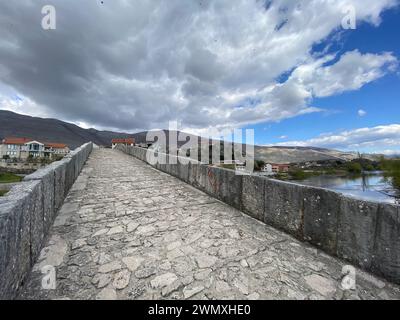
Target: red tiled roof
18,141
22,141
127,141
56,145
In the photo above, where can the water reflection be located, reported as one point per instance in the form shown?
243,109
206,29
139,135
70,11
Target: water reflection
368,187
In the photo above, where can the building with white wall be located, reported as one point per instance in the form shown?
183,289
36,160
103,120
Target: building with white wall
23,148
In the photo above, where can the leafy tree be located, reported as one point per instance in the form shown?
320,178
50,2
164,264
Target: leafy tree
258,165
392,170
354,167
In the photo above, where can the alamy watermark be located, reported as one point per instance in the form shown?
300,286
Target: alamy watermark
349,21
349,278
49,21
49,278
232,147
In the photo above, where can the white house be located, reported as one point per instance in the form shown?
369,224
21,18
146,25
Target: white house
125,142
34,149
267,169
22,148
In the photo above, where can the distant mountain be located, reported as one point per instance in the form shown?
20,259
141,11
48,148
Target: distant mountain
53,130
301,154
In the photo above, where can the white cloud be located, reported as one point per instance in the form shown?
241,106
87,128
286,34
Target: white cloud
20,105
351,72
204,63
390,152
377,138
362,113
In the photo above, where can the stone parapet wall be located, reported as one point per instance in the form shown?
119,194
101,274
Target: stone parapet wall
365,233
27,212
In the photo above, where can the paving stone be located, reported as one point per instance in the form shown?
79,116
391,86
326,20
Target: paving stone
107,294
78,244
102,280
132,226
190,292
221,286
253,296
322,285
121,279
115,230
205,261
132,262
100,232
109,267
145,272
167,290
202,274
163,280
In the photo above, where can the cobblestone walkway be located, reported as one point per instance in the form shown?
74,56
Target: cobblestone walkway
128,231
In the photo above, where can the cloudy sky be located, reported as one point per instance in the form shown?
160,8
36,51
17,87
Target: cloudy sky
286,68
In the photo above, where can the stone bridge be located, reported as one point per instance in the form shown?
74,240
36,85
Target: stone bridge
129,231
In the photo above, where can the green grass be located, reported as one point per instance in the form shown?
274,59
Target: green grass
3,192
300,174
9,178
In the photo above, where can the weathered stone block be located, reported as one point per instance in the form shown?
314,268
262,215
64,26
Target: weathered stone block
356,231
321,211
38,227
193,167
198,176
230,188
69,174
253,196
17,236
183,171
284,206
46,176
386,249
74,163
173,166
59,181
212,181
143,154
8,247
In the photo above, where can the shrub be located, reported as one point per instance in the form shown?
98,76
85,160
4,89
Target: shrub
258,165
354,167
392,170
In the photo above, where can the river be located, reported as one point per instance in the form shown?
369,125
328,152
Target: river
367,187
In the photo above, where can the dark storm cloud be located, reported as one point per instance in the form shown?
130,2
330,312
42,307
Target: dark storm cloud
137,64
